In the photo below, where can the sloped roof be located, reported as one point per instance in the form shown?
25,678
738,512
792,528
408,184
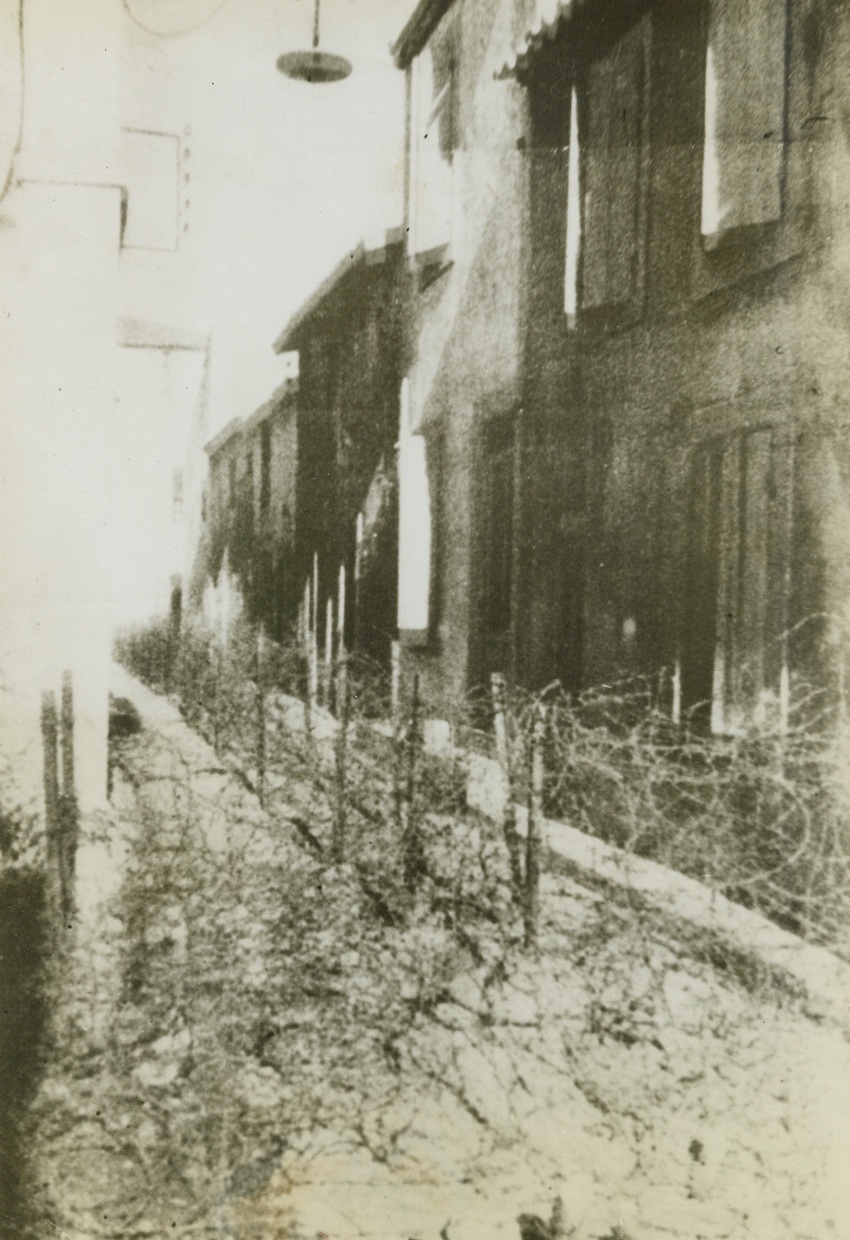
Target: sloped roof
551,16
284,395
361,255
232,430
417,30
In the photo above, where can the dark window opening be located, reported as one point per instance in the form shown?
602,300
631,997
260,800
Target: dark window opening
265,465
732,649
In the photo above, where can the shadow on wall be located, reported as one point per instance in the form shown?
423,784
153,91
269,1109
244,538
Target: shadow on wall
22,1020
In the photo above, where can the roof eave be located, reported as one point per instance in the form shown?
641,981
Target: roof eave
362,254
233,430
417,31
532,43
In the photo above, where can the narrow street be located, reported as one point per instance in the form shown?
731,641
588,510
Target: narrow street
424,625
245,1046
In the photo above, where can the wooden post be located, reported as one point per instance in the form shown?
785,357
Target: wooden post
358,561
314,609
305,615
518,600
49,737
341,651
676,707
69,817
395,679
218,672
340,817
509,827
398,736
340,609
412,853
327,670
305,650
535,827
68,789
261,716
313,669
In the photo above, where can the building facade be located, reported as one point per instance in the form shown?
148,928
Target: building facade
628,352
246,555
307,485
466,213
60,237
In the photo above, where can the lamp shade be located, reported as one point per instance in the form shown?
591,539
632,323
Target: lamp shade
314,66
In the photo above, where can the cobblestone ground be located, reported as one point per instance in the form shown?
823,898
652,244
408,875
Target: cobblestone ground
245,1044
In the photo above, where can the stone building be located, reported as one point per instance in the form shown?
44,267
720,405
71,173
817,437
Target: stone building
627,341
246,551
466,192
307,484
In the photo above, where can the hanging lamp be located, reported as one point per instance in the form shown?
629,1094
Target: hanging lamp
314,65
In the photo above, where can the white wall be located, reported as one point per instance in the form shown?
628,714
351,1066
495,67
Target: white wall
58,300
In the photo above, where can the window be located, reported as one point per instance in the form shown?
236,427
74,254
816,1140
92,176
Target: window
573,240
745,99
736,586
613,221
265,465
432,143
151,166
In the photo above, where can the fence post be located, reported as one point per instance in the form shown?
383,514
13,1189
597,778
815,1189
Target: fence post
68,789
305,646
261,717
340,819
69,817
218,672
340,609
503,753
49,737
535,827
355,590
327,671
410,839
313,647
395,679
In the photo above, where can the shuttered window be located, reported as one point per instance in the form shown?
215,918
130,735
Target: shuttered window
613,171
432,143
744,114
265,465
737,577
150,171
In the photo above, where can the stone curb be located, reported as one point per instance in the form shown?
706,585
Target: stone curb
824,978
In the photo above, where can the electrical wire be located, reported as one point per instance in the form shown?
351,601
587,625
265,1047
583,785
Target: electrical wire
16,149
172,34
